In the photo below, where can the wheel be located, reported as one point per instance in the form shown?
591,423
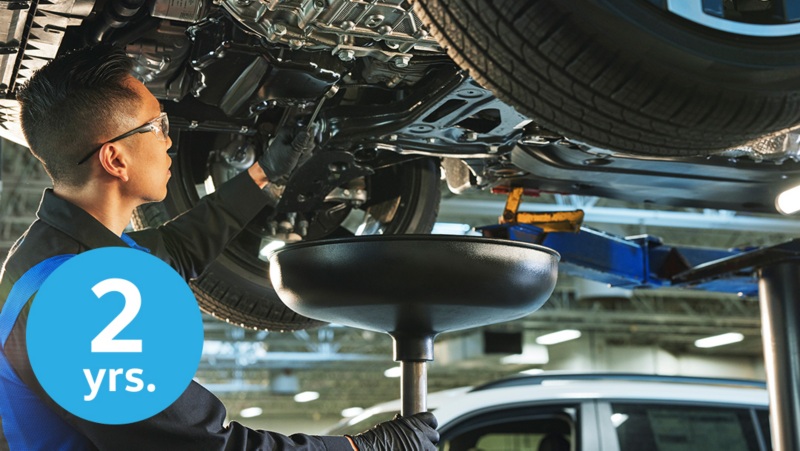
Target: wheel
236,287
624,75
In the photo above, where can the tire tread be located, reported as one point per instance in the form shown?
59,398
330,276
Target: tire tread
528,55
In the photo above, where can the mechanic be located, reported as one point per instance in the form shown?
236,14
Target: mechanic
103,139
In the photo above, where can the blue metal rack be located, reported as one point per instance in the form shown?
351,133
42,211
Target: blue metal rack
636,262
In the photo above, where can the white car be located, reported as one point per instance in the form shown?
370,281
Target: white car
594,412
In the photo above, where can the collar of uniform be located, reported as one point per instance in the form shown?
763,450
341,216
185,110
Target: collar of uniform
76,222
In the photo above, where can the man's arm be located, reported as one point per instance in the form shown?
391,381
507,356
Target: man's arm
195,423
258,176
192,241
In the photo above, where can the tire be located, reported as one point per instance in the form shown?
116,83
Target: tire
236,288
623,75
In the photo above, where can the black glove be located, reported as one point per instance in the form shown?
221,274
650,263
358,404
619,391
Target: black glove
282,155
414,433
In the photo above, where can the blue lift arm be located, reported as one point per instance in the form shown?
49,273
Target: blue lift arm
646,262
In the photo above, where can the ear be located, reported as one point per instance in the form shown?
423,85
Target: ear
114,160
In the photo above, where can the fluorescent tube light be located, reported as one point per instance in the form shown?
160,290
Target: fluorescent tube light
393,372
251,412
558,337
306,396
719,340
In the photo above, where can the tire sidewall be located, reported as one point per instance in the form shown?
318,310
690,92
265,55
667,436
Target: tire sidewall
674,44
234,277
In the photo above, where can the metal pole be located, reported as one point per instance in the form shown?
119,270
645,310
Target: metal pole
779,287
414,387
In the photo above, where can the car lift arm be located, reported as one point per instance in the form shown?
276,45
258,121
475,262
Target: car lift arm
646,262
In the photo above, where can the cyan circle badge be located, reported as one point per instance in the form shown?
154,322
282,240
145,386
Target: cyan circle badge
114,335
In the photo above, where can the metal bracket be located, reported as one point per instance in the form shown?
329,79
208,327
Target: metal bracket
316,178
558,221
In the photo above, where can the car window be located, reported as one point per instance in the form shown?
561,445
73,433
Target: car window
683,428
763,422
531,434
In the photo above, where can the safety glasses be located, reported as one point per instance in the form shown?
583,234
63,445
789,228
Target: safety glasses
159,126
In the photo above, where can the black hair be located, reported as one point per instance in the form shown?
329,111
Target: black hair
70,104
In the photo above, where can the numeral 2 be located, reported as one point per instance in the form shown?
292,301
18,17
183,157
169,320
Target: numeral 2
104,341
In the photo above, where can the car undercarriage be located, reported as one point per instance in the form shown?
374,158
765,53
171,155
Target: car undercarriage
400,105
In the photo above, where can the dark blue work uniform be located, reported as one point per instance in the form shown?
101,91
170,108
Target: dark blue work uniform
189,244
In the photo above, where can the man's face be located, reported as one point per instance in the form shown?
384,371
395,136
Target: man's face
149,172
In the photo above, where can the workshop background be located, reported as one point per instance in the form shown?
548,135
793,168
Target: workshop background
307,381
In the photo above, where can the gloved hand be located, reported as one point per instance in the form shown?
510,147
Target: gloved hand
413,433
283,153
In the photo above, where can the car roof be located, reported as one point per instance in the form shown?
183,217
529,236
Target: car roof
565,387
538,379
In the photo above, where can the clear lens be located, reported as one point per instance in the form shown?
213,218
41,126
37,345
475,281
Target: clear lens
161,126
165,127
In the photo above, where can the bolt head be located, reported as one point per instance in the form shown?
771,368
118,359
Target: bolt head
347,25
279,29
535,140
402,61
347,55
337,167
374,20
471,136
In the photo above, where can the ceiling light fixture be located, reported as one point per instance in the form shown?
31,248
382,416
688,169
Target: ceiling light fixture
306,396
788,202
393,372
719,340
558,337
251,412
